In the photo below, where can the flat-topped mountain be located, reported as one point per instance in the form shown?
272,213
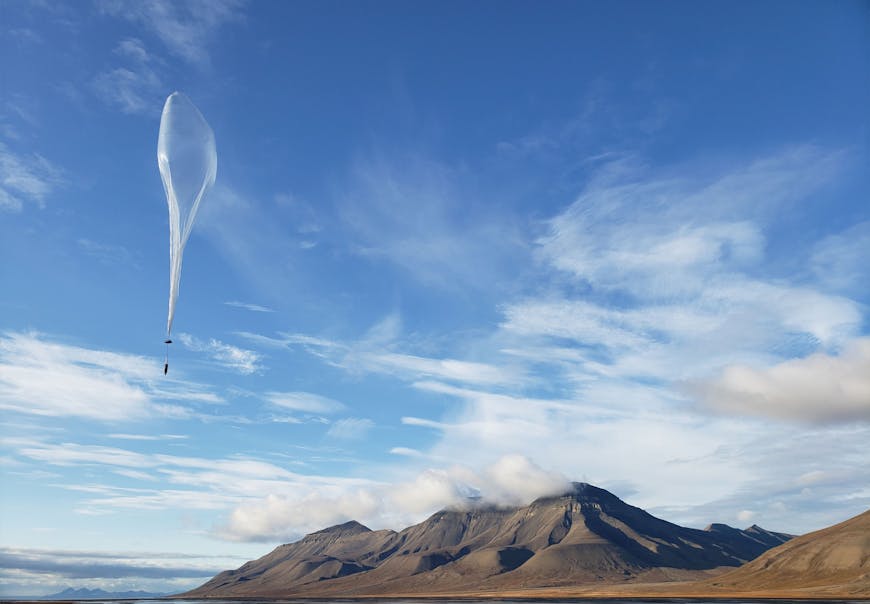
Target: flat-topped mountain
586,535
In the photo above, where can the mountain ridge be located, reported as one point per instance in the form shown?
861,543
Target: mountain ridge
585,535
836,556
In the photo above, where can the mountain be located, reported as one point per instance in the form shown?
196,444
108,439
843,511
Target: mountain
84,593
835,559
584,536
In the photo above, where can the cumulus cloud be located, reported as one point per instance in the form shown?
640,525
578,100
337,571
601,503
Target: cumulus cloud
516,479
431,490
745,516
816,388
289,517
510,480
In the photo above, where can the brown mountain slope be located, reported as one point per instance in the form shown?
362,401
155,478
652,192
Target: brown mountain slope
833,559
326,554
587,535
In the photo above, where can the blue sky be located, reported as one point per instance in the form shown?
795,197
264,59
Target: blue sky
453,249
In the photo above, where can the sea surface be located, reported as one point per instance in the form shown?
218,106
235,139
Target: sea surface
465,600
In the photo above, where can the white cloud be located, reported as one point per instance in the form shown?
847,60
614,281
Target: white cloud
660,238
288,517
41,377
516,479
423,423
669,274
819,387
733,317
173,482
244,361
290,514
350,428
304,401
25,178
406,451
186,29
134,88
643,283
745,516
250,307
415,367
148,436
374,353
134,49
840,261
107,253
431,490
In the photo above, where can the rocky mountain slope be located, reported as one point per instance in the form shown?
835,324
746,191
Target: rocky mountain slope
833,559
587,535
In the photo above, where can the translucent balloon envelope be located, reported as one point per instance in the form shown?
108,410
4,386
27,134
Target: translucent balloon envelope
187,160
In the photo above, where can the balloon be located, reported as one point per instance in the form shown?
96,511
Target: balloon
187,160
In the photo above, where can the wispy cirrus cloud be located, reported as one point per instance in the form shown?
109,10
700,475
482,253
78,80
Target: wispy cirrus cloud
413,213
244,361
651,278
121,436
248,306
669,267
186,28
25,178
107,253
42,377
350,428
839,261
306,402
376,352
666,235
135,87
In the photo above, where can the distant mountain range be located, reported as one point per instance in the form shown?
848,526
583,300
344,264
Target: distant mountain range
97,594
586,536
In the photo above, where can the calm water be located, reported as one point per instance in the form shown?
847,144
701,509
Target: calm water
506,601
